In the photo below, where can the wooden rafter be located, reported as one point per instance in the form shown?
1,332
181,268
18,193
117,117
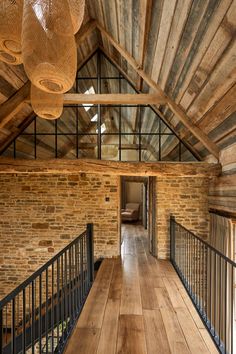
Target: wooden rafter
182,116
17,132
85,31
14,104
145,21
110,167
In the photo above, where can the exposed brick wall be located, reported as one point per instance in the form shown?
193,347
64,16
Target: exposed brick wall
40,214
187,200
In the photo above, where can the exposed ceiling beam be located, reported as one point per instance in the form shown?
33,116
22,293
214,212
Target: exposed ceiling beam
145,21
92,166
17,132
182,116
111,99
85,31
14,104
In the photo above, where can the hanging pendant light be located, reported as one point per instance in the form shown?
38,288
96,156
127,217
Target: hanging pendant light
48,45
46,105
10,31
77,8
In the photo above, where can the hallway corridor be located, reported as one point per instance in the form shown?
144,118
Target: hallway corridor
138,305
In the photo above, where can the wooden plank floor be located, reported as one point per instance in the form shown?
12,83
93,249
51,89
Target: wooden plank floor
138,305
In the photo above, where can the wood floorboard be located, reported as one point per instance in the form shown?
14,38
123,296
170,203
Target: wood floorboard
108,337
86,341
156,336
131,335
138,305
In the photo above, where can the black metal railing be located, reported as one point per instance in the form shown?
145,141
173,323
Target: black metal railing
39,315
209,278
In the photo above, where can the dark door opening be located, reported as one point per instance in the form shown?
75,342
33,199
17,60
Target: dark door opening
137,208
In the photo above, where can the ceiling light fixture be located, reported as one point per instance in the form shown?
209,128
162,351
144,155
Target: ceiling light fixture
77,8
46,105
10,31
48,45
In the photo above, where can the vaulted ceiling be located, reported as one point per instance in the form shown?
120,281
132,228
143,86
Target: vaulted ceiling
186,47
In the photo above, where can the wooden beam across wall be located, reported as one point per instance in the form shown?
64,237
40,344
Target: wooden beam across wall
110,99
65,166
182,116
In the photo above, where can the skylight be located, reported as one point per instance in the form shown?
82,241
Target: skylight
90,91
95,118
103,128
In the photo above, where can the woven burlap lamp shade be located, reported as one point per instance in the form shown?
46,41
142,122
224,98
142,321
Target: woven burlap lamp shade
10,31
48,45
46,105
77,8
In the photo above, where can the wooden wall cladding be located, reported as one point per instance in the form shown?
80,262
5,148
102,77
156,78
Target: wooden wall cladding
222,194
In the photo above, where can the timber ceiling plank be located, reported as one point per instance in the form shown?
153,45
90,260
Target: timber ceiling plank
200,34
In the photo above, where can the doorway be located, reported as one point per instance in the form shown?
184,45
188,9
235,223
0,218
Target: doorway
138,209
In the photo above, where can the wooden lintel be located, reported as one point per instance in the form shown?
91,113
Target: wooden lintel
175,108
64,166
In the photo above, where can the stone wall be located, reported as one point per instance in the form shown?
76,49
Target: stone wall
40,214
187,200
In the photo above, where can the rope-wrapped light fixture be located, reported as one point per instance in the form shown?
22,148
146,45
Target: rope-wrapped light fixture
46,105
48,45
10,31
77,8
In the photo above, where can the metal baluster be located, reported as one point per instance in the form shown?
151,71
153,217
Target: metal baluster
33,316
73,275
82,270
13,338
40,313
62,297
52,308
76,280
24,324
210,298
219,302
58,302
1,330
70,289
66,296
46,312
214,322
6,339
232,310
226,303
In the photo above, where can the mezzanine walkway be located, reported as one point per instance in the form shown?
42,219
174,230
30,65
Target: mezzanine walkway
138,305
